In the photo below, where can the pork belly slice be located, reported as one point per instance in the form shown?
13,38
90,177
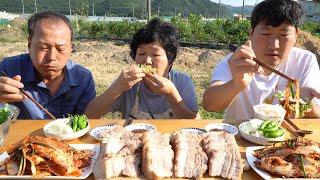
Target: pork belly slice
237,168
132,165
119,155
109,163
114,166
157,155
216,162
190,160
224,155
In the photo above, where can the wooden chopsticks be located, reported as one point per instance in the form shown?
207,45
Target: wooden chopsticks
295,128
31,98
233,48
289,128
289,125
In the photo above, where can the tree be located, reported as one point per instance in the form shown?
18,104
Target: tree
82,10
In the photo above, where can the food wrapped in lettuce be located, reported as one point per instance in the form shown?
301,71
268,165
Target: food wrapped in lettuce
147,68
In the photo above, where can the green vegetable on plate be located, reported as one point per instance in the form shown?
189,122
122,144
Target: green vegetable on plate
270,129
78,122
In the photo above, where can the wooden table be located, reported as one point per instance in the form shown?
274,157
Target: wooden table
22,128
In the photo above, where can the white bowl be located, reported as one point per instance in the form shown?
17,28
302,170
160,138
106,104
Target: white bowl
96,132
64,137
269,112
255,139
221,127
140,127
193,130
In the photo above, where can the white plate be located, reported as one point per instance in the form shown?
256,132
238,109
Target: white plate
223,126
251,159
255,139
85,171
65,137
95,132
263,174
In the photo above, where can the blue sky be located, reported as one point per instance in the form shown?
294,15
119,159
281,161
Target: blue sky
237,2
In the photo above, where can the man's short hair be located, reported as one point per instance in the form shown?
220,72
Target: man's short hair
276,12
47,15
157,31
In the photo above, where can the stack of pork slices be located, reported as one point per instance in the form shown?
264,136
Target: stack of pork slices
190,161
120,155
157,155
224,155
154,155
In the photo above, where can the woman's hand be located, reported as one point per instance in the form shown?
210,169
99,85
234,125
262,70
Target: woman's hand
128,78
159,84
164,86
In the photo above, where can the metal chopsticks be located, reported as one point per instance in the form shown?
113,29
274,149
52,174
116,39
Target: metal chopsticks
31,98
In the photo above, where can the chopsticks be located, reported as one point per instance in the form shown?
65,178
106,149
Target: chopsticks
233,48
290,125
289,128
295,128
31,98
128,120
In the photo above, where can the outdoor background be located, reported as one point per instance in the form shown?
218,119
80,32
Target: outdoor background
103,29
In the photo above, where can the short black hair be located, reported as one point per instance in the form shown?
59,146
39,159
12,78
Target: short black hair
47,15
157,31
276,12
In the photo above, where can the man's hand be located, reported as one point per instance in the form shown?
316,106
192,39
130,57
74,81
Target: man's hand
159,84
9,89
242,65
128,78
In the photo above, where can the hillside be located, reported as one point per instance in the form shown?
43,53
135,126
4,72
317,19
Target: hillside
238,10
118,7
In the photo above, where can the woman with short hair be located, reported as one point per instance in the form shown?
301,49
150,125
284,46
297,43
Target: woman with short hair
150,88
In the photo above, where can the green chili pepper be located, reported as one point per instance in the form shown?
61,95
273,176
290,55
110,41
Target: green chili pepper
75,123
270,129
274,134
82,122
270,126
263,125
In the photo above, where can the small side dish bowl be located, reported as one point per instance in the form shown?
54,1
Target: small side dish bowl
221,127
61,130
247,132
193,130
102,133
269,112
140,127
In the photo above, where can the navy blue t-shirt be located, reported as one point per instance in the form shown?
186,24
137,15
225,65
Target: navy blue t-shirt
72,97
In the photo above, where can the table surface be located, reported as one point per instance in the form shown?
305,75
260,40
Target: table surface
22,128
